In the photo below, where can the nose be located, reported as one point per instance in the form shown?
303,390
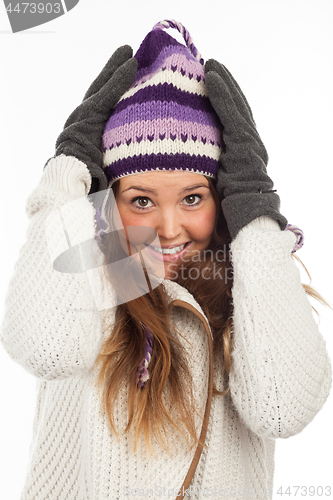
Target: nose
168,225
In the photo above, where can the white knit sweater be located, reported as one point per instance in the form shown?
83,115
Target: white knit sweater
280,379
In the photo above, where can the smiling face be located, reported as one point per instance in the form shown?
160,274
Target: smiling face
178,205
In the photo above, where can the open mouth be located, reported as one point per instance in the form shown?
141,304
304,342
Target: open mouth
167,254
169,251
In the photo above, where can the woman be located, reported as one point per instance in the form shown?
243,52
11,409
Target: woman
184,385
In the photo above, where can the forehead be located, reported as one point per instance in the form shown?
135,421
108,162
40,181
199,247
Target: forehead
160,180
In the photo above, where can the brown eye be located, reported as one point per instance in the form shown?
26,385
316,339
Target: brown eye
144,203
190,199
141,202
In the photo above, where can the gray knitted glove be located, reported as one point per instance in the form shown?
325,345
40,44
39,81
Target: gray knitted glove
82,134
242,181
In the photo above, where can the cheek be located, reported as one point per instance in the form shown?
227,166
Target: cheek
128,218
204,224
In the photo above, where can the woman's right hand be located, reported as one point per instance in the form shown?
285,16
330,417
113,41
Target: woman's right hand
82,134
243,185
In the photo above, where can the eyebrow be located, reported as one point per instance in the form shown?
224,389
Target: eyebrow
190,188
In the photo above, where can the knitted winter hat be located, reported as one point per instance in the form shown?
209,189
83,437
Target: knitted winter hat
165,121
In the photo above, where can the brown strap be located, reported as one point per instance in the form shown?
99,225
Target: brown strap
204,427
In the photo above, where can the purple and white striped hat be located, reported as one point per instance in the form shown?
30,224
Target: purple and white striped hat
165,120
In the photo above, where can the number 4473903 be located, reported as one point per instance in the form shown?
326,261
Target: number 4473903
34,8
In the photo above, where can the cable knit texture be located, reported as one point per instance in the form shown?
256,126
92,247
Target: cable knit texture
281,374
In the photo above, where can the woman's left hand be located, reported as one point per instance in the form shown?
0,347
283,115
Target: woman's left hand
242,182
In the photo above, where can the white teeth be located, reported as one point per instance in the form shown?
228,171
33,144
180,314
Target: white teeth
168,251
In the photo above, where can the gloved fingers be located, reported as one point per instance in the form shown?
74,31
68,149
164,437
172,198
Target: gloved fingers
239,136
108,96
214,65
118,58
234,89
237,87
236,127
234,123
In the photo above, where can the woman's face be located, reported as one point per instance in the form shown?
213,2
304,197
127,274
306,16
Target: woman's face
178,205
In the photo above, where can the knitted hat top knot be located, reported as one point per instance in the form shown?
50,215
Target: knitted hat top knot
165,120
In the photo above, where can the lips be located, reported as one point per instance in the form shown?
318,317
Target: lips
173,246
169,250
166,257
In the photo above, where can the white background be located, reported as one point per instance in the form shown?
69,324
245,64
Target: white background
280,52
